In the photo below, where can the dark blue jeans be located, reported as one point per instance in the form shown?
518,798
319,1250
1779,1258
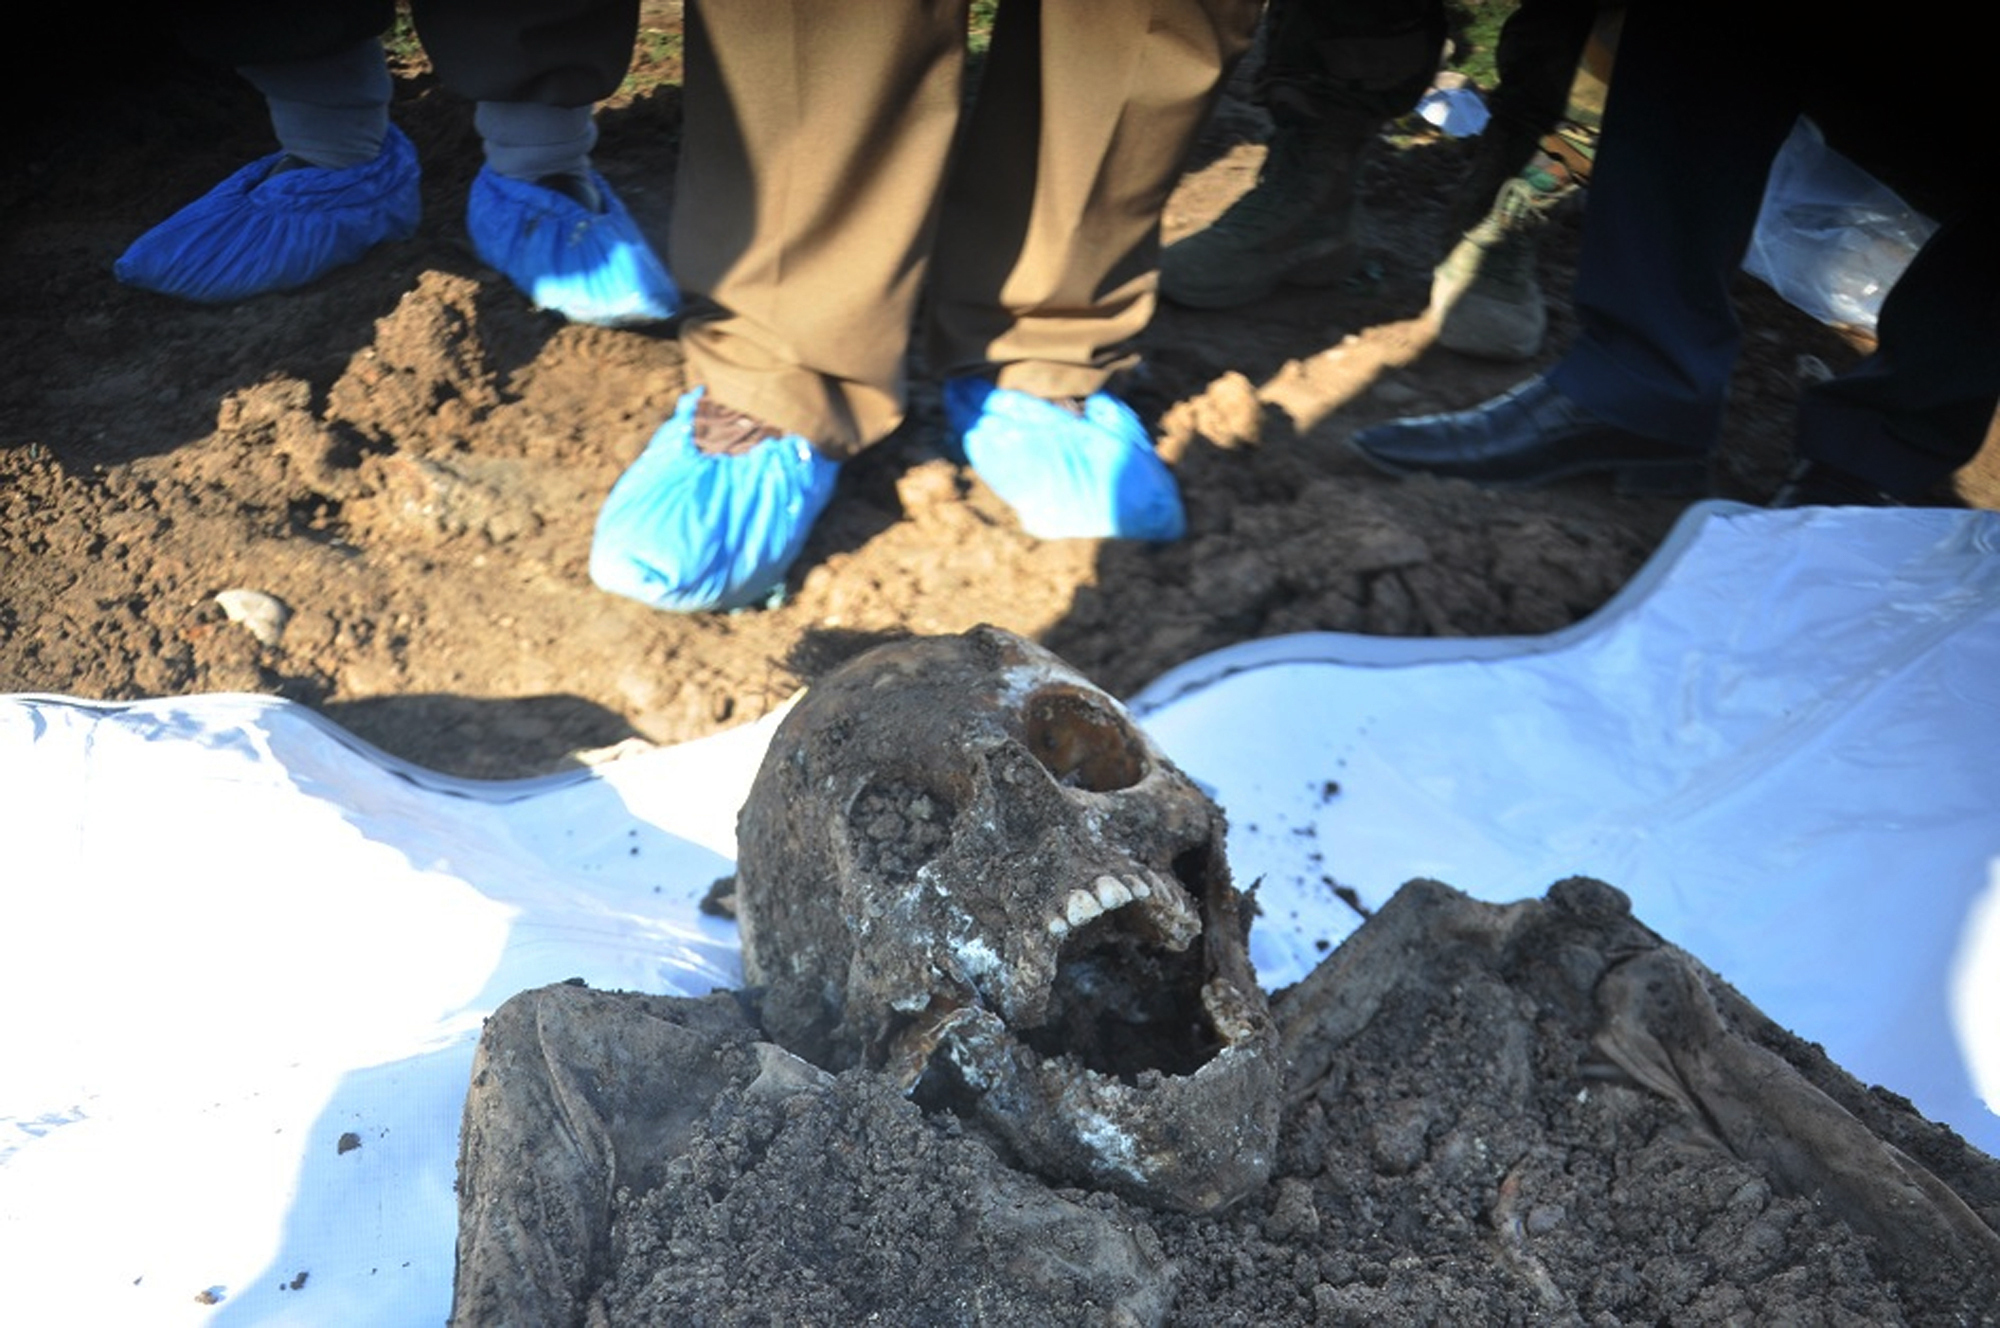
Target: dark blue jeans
1702,97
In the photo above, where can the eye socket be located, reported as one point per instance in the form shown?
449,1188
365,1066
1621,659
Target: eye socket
1080,742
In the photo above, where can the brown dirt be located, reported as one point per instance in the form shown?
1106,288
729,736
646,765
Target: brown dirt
1534,1113
410,460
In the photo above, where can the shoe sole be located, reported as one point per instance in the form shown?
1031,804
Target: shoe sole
1630,479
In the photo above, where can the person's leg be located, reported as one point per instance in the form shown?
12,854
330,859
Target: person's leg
538,52
1046,264
270,32
1898,424
1333,72
1539,48
816,136
1699,105
539,212
1914,411
1696,115
1486,294
330,110
343,180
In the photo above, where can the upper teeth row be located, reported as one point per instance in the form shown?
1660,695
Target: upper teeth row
1105,894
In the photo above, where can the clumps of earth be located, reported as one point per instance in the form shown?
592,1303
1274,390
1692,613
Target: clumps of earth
980,1078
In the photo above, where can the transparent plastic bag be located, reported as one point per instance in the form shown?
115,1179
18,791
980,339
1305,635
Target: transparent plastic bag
1831,239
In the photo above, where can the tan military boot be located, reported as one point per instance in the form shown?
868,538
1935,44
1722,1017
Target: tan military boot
1486,295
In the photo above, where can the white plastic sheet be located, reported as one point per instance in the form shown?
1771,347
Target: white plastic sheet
1782,739
244,958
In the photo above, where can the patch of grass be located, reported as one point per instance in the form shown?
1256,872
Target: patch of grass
656,61
979,31
1475,28
400,41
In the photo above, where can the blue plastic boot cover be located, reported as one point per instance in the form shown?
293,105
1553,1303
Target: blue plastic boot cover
689,531
590,267
258,231
1067,476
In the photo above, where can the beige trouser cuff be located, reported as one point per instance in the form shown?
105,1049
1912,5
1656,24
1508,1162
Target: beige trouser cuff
826,180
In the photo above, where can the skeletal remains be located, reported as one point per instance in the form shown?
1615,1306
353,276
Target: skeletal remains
965,874
963,864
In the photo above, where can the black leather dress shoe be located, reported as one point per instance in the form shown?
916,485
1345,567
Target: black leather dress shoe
1530,436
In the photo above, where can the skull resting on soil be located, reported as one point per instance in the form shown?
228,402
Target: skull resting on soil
964,865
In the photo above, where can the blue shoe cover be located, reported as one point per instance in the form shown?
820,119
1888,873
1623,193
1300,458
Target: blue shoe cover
688,531
590,267
257,232
1093,476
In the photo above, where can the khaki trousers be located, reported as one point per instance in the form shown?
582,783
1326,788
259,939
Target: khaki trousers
831,174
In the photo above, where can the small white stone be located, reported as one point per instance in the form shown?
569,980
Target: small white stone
262,614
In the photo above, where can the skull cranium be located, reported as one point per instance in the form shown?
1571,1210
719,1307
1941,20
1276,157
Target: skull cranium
963,864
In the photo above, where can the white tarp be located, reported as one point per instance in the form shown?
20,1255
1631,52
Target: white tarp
244,958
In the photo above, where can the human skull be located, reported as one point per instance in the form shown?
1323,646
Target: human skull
963,864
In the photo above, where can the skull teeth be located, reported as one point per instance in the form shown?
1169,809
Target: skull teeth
1106,893
1081,907
1112,892
1109,892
